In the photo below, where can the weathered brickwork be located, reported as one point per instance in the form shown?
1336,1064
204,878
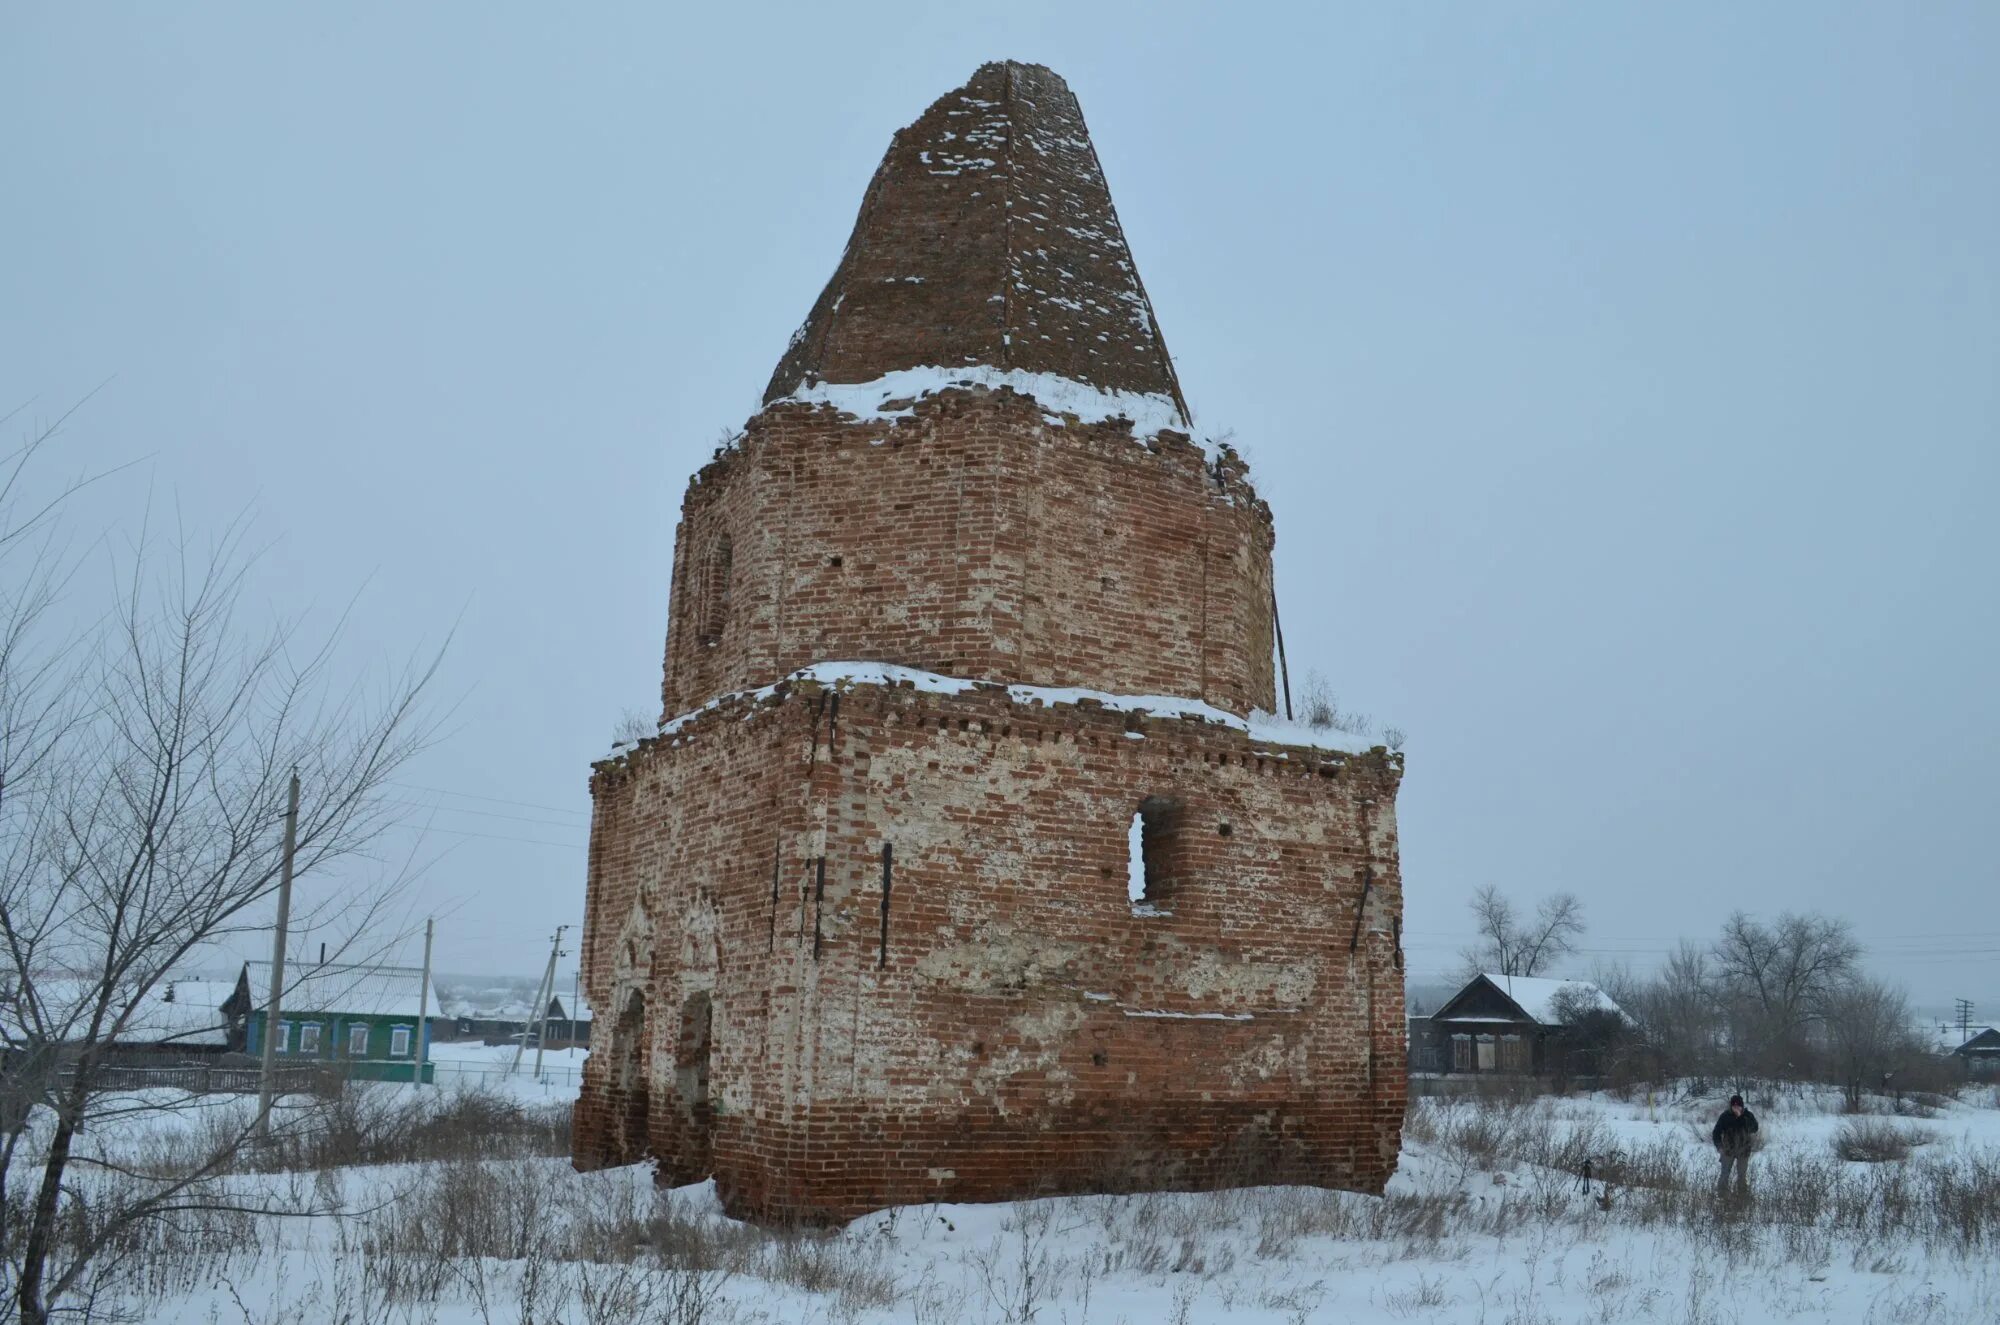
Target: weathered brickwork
1020,1029
865,938
976,539
987,237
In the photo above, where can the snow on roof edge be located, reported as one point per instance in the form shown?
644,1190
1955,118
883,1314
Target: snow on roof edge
1149,413
1536,995
1259,726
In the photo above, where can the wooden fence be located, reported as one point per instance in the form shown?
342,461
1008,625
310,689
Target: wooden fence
307,1078
209,1078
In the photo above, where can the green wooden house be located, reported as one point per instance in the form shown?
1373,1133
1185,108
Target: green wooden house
364,1021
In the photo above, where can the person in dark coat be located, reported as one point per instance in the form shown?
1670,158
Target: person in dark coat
1734,1136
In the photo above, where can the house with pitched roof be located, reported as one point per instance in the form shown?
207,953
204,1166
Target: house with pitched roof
366,1022
1515,1025
1976,1047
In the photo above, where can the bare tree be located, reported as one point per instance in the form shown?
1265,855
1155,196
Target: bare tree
143,775
1778,978
1678,1011
1509,945
1868,1031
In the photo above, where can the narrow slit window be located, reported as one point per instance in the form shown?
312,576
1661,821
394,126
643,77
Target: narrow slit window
715,590
1153,850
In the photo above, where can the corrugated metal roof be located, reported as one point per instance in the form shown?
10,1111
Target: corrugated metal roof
369,991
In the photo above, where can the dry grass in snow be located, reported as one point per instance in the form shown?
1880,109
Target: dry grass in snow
1488,1222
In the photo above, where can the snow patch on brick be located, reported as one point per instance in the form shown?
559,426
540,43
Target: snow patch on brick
1258,726
894,396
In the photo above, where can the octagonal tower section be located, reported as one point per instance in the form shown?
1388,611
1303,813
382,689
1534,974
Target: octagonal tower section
977,532
870,937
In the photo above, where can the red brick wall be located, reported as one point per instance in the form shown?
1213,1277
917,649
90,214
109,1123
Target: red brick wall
1010,1043
974,539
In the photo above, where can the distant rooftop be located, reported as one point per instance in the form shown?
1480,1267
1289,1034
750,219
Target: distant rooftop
378,991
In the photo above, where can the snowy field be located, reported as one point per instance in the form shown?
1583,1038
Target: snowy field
1488,1222
468,1064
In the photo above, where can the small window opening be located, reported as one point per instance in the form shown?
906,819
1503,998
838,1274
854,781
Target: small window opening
357,1041
399,1042
715,590
1151,851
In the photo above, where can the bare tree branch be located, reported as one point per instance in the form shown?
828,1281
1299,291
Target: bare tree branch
143,775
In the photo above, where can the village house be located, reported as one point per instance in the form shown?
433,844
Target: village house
1976,1049
1510,1025
178,1020
361,1021
505,1024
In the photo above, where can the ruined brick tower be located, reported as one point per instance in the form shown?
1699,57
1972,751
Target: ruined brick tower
965,864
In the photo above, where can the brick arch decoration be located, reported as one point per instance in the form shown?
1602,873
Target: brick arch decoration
718,568
686,1019
629,1069
618,1093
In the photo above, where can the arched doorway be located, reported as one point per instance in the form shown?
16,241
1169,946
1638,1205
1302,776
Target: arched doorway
691,1056
628,1079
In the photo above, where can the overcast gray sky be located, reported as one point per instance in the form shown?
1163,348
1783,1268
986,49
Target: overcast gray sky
1623,381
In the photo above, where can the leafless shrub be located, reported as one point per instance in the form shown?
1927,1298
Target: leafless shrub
1317,707
1419,1124
1022,1270
1870,1141
830,1266
1475,1136
1425,1295
1921,1104
377,1123
631,728
1283,1215
1659,1166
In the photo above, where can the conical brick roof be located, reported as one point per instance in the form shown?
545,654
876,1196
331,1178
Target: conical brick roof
987,237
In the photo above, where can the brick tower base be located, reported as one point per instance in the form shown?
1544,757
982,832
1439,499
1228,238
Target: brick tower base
871,942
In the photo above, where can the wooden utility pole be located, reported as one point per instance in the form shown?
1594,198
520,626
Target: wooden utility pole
424,1007
548,996
266,1080
540,1012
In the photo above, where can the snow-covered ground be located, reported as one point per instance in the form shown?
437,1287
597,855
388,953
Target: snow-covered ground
468,1064
1487,1221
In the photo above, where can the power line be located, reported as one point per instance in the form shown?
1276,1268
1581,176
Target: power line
498,837
496,800
487,814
